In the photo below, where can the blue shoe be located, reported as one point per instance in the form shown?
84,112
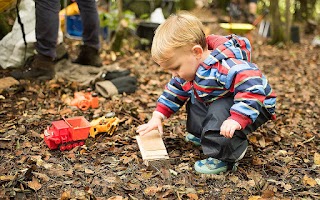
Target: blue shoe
213,166
191,138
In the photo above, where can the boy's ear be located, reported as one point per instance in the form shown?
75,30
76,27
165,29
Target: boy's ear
197,51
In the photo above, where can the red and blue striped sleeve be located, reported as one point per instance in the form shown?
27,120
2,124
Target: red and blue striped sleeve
175,94
247,84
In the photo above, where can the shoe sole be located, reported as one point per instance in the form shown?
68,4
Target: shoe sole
208,171
215,171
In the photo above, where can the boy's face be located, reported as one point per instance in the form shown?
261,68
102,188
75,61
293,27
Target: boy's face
183,64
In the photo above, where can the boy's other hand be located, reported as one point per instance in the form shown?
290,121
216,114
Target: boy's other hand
154,123
228,128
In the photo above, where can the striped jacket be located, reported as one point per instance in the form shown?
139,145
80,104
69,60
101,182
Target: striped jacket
226,72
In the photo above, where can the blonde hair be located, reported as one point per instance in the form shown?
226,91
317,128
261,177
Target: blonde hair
179,30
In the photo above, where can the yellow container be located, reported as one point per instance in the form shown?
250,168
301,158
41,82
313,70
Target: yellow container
237,28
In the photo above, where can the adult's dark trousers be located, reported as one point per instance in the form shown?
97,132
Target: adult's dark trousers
204,121
47,25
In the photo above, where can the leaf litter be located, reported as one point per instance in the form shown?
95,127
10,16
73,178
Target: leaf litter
282,161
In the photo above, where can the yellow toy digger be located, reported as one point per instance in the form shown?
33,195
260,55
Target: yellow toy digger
103,125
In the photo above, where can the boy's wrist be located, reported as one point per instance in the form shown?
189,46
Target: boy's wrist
158,114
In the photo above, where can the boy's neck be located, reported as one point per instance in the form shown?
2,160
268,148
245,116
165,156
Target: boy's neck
205,54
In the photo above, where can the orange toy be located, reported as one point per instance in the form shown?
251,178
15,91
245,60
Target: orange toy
85,100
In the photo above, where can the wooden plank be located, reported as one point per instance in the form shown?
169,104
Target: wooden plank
152,147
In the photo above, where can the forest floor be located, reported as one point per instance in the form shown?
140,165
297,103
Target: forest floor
282,161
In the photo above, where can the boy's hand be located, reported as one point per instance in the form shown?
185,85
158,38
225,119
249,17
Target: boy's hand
228,128
154,123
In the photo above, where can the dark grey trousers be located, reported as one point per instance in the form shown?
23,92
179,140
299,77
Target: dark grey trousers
204,121
47,25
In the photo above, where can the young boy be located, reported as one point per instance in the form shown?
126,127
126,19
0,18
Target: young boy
227,96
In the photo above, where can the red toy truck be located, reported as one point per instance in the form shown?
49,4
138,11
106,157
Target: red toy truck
67,133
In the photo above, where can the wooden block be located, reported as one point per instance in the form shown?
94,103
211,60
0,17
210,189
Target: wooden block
152,147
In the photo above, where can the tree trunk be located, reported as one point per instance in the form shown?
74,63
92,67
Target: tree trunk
120,32
288,22
120,7
304,10
276,24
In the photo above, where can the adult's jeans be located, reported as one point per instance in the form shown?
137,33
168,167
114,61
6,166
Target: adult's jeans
47,25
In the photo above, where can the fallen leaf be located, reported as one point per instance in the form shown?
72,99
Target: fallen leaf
54,86
88,171
309,181
142,116
226,190
131,186
262,142
6,178
35,134
254,198
34,184
7,82
50,111
72,156
151,191
252,139
267,194
113,56
287,187
69,173
146,175
316,158
26,144
66,99
68,182
78,167
193,196
276,138
40,162
251,183
43,177
126,159
56,173
66,195
112,179
65,111
258,161
5,145
115,198
234,179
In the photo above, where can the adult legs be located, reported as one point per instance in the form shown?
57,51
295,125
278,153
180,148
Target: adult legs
89,52
47,26
41,66
90,21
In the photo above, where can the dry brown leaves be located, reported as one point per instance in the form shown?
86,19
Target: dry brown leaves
282,162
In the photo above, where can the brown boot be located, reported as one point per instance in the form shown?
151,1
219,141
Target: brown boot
40,67
88,56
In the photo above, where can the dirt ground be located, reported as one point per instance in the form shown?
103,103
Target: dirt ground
282,161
